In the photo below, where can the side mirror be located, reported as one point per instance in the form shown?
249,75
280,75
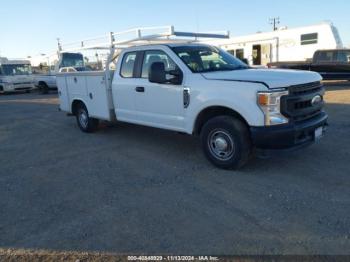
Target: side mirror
157,73
177,76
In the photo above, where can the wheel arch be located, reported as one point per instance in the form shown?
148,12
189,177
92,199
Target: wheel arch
41,82
75,104
212,111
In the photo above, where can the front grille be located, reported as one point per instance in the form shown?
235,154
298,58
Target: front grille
298,106
301,105
305,88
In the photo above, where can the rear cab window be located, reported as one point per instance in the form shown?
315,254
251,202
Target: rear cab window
326,57
128,63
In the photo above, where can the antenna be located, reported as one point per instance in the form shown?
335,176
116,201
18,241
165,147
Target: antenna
274,21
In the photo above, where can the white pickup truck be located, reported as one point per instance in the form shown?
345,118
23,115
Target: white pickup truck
200,90
45,83
45,74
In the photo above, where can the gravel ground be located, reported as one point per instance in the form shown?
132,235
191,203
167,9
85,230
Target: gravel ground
136,190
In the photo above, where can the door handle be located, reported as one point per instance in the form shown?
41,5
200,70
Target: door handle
140,89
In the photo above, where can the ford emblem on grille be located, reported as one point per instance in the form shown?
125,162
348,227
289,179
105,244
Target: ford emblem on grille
316,100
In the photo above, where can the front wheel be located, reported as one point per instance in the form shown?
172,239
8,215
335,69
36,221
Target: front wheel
226,142
44,89
86,124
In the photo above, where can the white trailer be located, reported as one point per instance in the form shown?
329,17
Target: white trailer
162,80
15,75
284,44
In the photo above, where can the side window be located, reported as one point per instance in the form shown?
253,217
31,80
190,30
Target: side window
309,39
232,52
240,54
343,56
156,56
326,56
128,63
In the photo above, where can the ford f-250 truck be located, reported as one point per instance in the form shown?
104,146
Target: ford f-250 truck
200,90
330,64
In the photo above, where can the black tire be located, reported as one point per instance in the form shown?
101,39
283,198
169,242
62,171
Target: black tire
226,142
86,124
44,89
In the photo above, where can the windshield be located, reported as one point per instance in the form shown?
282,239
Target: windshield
16,69
201,59
72,60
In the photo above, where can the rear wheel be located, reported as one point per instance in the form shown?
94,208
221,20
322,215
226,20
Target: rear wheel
86,124
226,142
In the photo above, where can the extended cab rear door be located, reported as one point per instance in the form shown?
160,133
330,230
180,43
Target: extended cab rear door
123,87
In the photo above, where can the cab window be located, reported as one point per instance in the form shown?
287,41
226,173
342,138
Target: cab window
153,56
343,56
326,56
128,63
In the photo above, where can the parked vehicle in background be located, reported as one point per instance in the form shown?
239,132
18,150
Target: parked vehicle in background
45,72
45,78
15,75
199,90
331,64
284,44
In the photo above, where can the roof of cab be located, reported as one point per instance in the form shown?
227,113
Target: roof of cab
184,44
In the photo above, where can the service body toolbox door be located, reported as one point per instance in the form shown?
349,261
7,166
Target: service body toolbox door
63,92
98,103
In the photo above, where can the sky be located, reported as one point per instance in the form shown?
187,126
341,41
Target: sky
31,27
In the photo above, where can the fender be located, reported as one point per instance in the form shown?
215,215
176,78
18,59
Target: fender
245,112
74,101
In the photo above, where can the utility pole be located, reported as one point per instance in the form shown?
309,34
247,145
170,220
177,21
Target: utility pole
274,21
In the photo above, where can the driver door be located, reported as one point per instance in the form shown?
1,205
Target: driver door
159,105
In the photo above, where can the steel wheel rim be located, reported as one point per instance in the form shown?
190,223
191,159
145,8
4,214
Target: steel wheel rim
221,144
83,118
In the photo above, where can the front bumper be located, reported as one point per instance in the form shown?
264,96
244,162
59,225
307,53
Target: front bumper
15,87
288,136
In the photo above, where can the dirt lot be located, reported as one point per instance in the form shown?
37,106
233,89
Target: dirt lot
132,190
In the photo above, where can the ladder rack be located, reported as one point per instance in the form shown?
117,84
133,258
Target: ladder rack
139,36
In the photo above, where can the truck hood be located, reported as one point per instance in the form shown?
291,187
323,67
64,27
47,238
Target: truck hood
271,77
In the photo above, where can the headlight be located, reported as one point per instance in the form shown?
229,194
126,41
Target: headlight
270,104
